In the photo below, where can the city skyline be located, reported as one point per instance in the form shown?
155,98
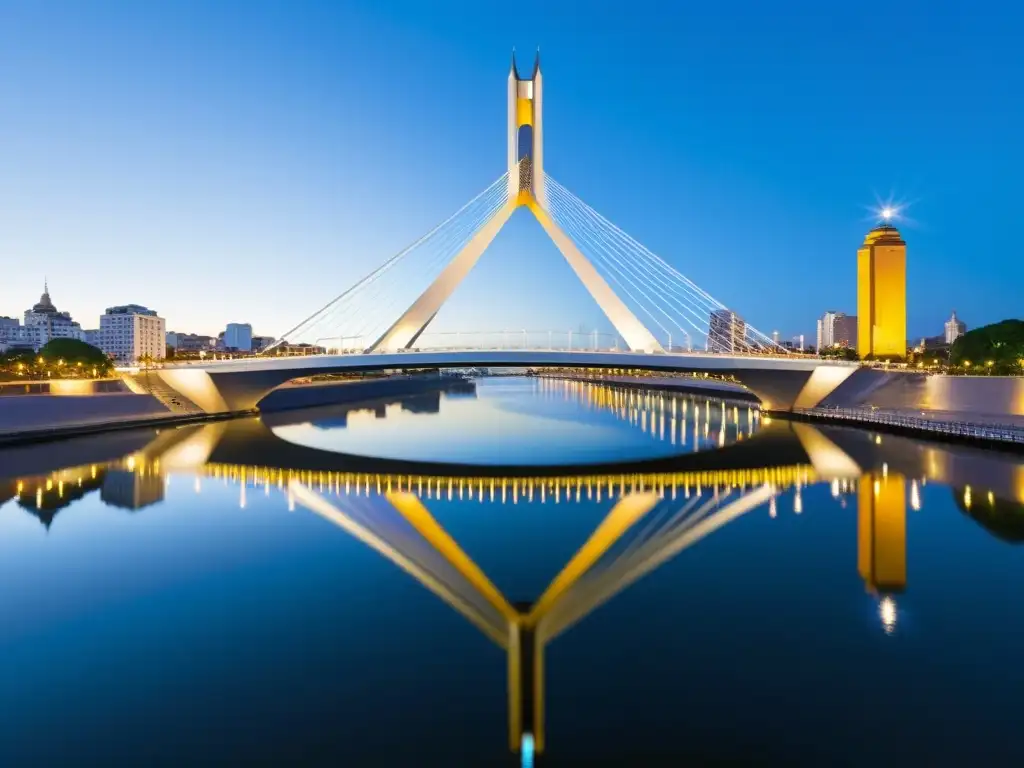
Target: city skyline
172,179
200,339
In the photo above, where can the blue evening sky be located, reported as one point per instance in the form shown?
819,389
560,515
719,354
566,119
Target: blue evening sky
247,161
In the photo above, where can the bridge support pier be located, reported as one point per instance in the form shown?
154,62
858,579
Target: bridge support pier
229,392
784,390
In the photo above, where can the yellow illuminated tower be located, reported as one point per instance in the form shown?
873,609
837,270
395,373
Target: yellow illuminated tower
882,293
882,533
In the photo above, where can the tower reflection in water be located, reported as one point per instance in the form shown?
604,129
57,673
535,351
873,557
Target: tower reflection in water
882,540
656,514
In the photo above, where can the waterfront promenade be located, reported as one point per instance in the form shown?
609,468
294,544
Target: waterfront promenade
1002,428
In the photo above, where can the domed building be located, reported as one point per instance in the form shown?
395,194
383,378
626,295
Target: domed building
44,322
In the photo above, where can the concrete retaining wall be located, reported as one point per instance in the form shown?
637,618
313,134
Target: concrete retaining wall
981,399
63,387
975,394
967,395
26,413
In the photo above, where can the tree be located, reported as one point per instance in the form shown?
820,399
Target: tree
840,353
71,357
17,364
73,351
15,356
996,348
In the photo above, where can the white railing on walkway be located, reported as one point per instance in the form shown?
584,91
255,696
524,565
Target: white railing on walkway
1007,433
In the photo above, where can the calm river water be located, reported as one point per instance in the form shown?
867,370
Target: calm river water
354,586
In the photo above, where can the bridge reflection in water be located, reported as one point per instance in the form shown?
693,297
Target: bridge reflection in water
678,417
656,514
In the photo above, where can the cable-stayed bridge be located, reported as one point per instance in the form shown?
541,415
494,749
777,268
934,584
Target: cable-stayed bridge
651,305
661,319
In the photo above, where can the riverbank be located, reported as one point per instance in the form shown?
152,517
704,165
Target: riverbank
42,418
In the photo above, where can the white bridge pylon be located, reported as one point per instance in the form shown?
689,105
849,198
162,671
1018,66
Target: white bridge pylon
623,277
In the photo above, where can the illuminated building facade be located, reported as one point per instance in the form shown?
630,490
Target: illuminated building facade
882,294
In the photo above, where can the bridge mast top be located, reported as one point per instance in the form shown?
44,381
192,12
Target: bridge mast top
526,134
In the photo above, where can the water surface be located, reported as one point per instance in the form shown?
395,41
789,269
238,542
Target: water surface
514,421
222,595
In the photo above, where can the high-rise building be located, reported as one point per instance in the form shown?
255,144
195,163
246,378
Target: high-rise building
837,329
775,338
882,294
825,323
238,337
726,332
844,331
131,333
955,328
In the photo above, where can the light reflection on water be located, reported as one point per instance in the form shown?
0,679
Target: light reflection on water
327,606
531,420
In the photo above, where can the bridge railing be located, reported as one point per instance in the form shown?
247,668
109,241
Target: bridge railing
1009,433
476,340
582,341
526,339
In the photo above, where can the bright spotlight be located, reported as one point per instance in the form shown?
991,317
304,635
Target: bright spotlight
888,214
887,612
